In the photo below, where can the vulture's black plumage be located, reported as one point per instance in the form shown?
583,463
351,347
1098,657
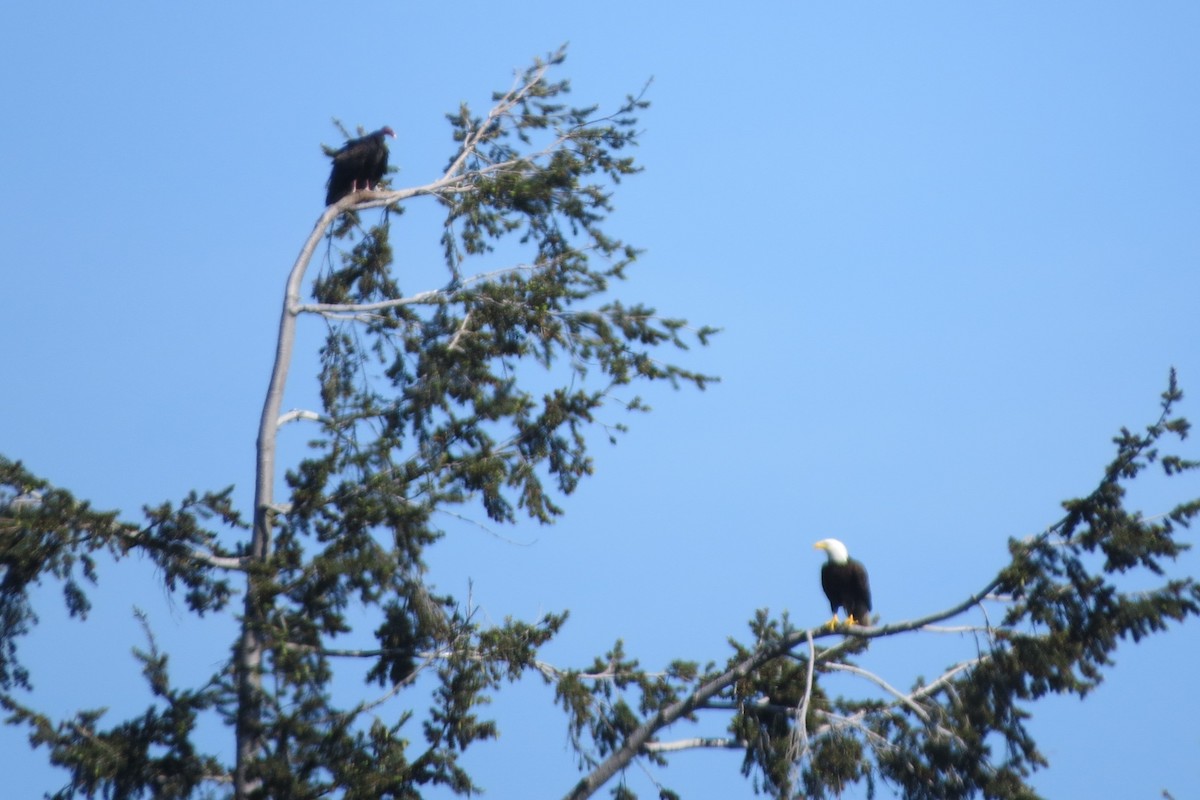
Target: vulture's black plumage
845,583
360,164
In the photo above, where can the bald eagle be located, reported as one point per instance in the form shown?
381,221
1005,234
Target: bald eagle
845,583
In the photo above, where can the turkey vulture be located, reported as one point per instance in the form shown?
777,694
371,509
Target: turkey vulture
360,164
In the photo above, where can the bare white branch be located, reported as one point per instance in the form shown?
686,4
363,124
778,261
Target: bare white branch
430,297
838,721
881,683
140,538
946,677
456,340
798,745
521,87
297,414
957,629
695,742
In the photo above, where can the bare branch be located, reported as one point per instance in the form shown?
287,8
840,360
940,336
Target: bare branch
430,297
947,676
881,683
521,87
462,329
798,740
141,539
695,742
958,629
298,414
839,721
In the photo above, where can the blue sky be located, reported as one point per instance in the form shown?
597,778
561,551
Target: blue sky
953,248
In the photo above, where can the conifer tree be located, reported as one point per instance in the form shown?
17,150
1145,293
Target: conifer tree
479,395
430,401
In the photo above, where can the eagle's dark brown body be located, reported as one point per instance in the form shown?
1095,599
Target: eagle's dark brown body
847,587
360,164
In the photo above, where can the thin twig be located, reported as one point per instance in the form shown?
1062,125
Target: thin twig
881,683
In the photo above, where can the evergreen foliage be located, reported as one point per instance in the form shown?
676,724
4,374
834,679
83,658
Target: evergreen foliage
964,734
482,396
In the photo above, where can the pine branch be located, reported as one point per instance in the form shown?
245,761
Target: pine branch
1095,510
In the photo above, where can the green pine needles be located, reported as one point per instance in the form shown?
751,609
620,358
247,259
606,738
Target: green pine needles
476,395
1050,621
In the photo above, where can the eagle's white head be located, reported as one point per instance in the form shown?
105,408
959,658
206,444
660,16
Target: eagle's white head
835,550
